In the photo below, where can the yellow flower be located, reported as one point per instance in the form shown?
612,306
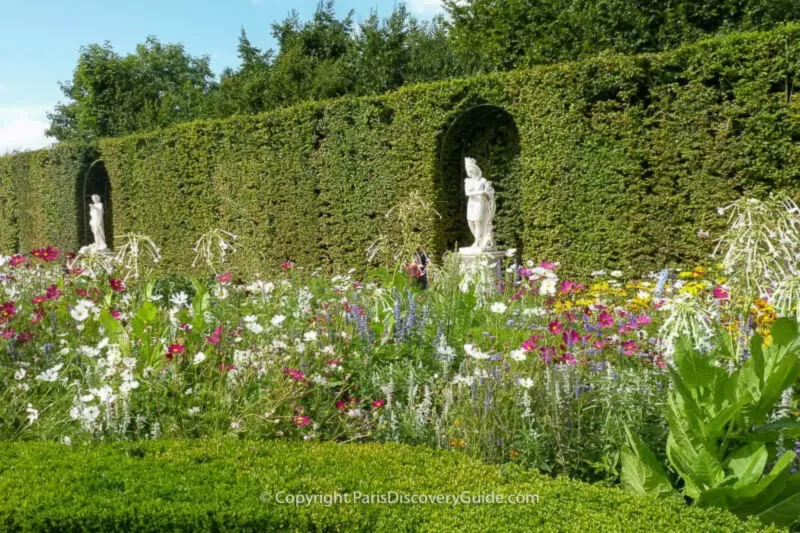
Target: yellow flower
513,454
457,443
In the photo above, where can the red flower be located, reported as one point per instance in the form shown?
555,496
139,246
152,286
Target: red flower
8,334
47,254
341,405
287,265
16,260
53,293
414,270
214,338
175,349
569,359
302,421
720,293
332,362
294,374
116,314
531,344
224,278
117,285
377,404
7,311
37,300
555,327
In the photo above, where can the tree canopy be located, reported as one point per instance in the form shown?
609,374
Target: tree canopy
328,56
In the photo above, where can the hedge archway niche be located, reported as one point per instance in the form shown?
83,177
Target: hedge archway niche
489,134
95,181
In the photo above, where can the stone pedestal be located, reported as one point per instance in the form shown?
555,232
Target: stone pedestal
91,250
479,267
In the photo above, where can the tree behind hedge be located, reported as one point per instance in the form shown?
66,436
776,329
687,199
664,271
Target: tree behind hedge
489,35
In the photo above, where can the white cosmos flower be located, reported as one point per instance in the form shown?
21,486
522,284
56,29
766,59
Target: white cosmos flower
220,292
534,311
180,299
498,307
463,380
79,313
526,383
616,273
66,441
20,374
255,327
473,352
127,386
33,414
199,357
90,414
518,355
310,336
548,287
50,375
277,320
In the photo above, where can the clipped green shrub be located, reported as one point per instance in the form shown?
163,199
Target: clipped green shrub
613,162
236,486
40,197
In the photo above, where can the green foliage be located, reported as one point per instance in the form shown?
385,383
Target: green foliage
722,435
111,95
622,161
489,35
213,485
40,197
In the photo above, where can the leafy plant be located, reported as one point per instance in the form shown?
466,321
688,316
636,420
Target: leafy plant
723,431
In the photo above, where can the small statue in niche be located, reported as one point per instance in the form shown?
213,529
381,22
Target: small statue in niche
97,225
481,208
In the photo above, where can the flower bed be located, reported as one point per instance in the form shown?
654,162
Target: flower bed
230,485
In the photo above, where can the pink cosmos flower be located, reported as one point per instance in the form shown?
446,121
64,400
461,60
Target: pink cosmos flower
38,300
530,344
117,285
287,265
116,314
555,327
47,254
547,265
53,293
302,421
294,374
569,359
16,260
630,347
606,320
214,338
547,353
7,312
224,278
570,336
377,404
644,320
175,349
720,293
8,334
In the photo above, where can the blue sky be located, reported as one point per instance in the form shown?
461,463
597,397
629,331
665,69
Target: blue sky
40,40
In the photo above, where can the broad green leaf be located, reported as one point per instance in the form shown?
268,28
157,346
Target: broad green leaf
757,356
707,469
147,312
110,324
641,471
782,376
789,429
715,429
748,463
695,369
785,509
784,331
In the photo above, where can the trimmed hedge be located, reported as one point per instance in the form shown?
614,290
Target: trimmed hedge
217,486
40,202
622,160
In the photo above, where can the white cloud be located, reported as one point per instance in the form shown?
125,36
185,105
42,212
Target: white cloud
23,127
426,7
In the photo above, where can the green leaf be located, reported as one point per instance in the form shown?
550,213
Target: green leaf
147,312
785,509
110,324
707,469
641,471
789,429
695,369
748,463
783,331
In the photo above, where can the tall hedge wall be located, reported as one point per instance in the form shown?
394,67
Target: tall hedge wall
40,197
621,161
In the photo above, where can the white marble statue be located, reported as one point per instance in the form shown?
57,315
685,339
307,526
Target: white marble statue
480,207
96,212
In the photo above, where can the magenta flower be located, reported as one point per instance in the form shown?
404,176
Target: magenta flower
302,421
175,349
570,336
224,278
377,404
214,338
547,353
7,312
555,327
117,285
644,320
720,293
569,359
294,374
16,260
606,320
547,265
53,293
630,347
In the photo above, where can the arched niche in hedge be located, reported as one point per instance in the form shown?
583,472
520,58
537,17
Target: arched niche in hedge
95,181
489,134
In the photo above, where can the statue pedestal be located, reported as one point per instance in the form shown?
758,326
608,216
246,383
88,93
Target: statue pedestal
91,250
481,266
